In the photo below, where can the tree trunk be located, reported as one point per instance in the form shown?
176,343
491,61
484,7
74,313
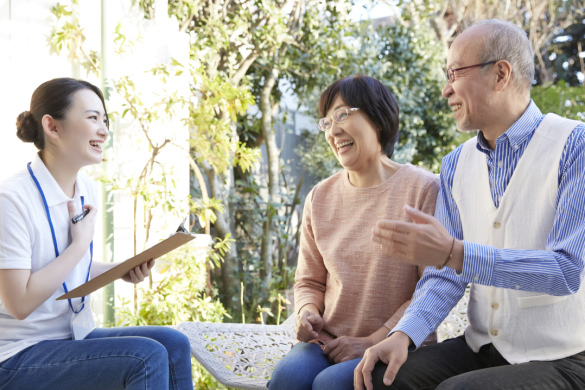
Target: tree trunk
273,181
220,188
543,69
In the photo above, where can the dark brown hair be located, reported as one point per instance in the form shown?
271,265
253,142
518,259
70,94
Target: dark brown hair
373,99
54,98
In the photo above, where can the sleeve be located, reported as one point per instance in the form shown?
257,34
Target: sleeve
426,200
311,274
15,235
438,291
426,203
398,314
558,270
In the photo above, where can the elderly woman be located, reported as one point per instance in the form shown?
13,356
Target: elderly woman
348,293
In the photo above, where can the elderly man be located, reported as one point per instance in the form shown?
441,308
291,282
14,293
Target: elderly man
510,220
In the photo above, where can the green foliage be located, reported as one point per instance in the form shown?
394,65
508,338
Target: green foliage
233,48
178,297
205,210
294,40
317,156
561,99
67,33
409,62
323,52
220,248
211,134
211,109
544,21
202,379
249,220
281,304
123,43
251,210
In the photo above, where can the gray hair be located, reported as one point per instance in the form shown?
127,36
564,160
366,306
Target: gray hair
507,41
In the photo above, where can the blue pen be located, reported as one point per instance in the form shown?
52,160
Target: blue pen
79,217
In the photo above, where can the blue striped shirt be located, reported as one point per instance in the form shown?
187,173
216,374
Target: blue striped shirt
558,270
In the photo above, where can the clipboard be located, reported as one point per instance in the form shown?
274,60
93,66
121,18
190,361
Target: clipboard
173,242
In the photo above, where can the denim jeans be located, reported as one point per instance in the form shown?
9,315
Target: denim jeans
305,367
145,357
452,365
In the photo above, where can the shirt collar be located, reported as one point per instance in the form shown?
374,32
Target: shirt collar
518,133
53,192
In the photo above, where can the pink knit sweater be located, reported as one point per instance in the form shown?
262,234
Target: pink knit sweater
355,286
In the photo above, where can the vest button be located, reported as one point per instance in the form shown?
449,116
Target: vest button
497,225
495,306
494,332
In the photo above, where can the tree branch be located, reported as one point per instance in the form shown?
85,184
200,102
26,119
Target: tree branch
243,67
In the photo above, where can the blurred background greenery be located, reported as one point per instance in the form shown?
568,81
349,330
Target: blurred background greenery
246,58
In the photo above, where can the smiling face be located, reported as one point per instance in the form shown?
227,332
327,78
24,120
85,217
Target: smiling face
354,141
83,131
471,93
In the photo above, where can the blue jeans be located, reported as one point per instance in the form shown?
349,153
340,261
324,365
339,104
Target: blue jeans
305,367
145,357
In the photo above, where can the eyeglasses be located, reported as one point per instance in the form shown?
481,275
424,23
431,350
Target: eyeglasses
450,73
339,116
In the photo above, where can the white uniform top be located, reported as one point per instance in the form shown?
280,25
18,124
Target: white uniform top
26,243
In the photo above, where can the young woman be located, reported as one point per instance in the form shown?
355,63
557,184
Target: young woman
50,344
348,294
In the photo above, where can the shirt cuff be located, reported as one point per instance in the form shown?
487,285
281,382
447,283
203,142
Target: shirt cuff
15,263
478,263
413,327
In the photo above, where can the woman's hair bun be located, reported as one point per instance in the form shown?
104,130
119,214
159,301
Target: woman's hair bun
27,128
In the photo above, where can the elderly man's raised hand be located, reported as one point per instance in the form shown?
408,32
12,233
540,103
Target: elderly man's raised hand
308,324
393,351
422,242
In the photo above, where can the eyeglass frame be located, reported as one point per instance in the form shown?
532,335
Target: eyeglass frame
451,71
348,110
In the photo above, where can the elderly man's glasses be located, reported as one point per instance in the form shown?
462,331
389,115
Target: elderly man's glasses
450,73
339,116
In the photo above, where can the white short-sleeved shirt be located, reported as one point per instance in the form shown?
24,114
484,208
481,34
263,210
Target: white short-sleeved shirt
26,243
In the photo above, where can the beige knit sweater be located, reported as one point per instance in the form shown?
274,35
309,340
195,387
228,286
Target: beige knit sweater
355,286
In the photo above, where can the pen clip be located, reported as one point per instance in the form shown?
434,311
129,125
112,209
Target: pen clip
181,228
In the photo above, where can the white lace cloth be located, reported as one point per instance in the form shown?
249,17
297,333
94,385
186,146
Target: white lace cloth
242,356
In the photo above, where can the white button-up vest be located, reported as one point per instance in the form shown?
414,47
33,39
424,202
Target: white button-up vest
522,325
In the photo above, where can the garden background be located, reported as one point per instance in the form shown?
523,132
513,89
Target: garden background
214,110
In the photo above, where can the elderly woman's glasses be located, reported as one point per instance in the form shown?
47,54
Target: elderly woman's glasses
339,116
450,73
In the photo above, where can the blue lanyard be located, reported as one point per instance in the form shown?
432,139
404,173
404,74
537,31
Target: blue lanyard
55,238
